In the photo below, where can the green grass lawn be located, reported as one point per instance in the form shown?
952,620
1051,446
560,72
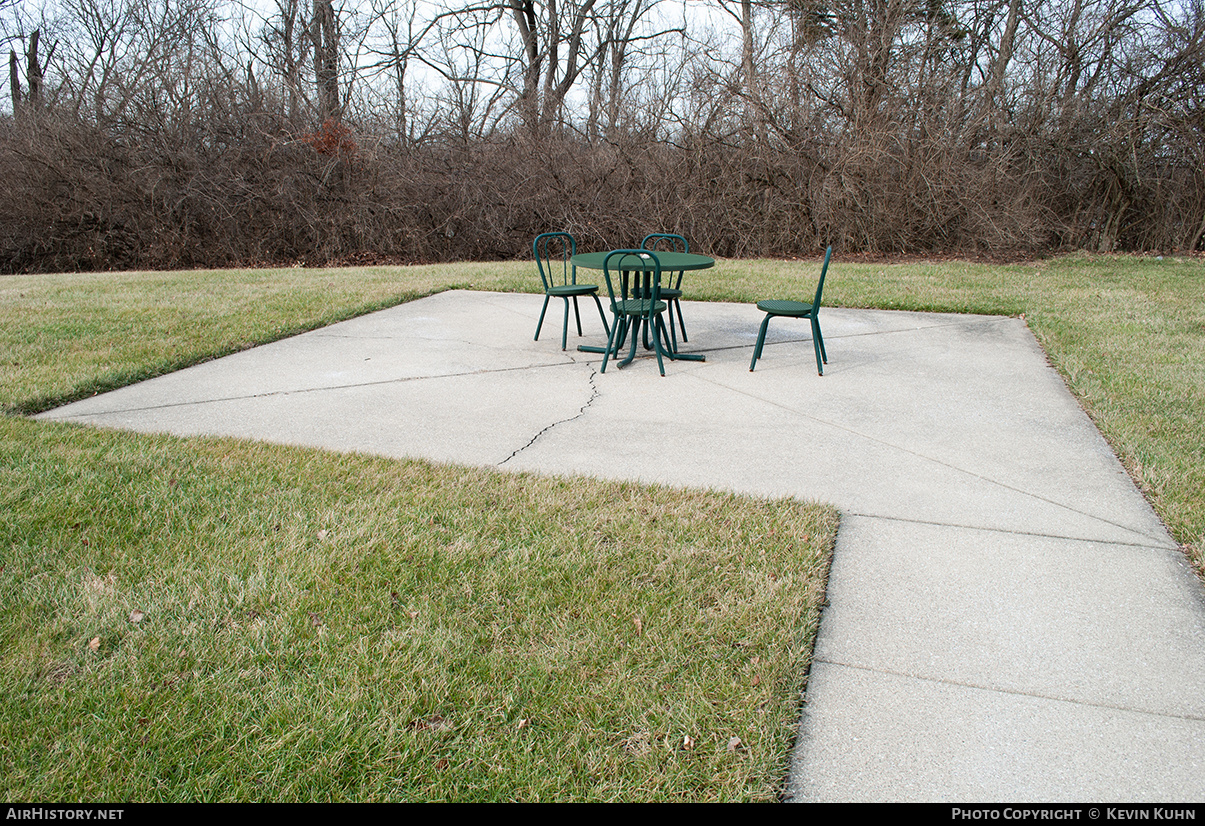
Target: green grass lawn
205,619
318,626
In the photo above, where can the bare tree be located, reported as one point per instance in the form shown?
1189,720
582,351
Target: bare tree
324,32
286,53
625,35
391,55
14,79
34,73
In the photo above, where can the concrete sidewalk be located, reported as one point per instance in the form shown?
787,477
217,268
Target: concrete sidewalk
1008,620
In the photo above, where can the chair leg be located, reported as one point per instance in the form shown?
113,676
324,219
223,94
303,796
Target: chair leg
681,322
820,338
623,325
634,332
658,325
612,341
761,339
624,331
817,346
565,326
543,310
669,308
578,316
603,316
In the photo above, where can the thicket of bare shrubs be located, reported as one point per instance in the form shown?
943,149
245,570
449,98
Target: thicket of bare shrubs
823,143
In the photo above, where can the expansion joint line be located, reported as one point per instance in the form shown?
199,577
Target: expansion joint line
1016,692
580,413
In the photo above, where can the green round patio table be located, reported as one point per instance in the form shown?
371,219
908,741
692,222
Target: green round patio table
670,262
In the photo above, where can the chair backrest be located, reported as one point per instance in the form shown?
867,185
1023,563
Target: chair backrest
670,242
553,251
674,243
639,261
828,253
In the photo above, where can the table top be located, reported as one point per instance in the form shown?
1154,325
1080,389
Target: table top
670,261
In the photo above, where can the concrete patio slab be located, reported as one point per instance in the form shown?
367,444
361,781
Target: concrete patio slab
871,736
1004,606
1008,619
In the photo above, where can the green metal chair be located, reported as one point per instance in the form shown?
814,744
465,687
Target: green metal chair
671,294
631,313
552,252
796,309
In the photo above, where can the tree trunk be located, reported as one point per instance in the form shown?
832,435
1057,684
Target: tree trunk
525,18
33,74
326,60
14,80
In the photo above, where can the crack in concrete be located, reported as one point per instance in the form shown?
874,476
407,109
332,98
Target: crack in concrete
581,412
294,391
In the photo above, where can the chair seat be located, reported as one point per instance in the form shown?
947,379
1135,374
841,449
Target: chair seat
788,308
572,289
637,306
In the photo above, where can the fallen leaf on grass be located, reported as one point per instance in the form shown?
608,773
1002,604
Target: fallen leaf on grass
688,742
734,743
136,616
94,643
639,626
